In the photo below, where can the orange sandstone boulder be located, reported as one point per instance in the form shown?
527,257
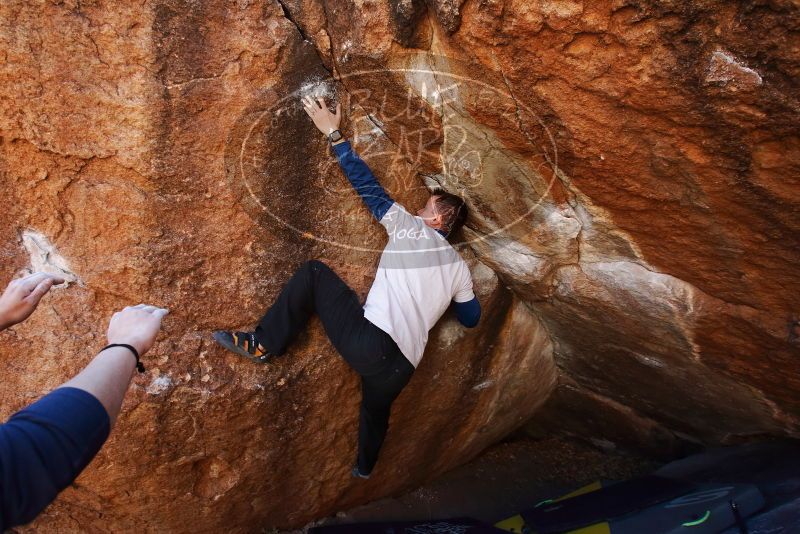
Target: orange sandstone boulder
632,175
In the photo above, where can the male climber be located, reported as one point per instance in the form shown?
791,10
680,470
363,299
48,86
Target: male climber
418,276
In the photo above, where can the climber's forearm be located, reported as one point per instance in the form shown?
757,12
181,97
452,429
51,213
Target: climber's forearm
362,179
108,375
107,378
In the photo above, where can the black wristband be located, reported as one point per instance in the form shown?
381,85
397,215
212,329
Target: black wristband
139,365
335,138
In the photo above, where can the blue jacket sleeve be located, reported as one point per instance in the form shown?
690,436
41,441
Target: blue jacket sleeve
468,313
44,447
362,180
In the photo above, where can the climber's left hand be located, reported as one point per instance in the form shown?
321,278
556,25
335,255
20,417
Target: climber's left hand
23,295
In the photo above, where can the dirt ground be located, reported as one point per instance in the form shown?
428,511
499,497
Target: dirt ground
505,479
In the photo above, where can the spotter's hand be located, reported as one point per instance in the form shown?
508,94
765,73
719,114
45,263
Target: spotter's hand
324,120
137,326
23,295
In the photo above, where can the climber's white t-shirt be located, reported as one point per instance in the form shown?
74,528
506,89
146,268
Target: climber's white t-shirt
418,275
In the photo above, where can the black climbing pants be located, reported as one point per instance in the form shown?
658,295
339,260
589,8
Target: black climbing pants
370,351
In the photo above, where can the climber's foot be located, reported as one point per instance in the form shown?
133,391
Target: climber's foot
244,344
356,473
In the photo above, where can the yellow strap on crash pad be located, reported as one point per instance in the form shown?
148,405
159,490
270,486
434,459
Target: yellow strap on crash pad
512,524
515,524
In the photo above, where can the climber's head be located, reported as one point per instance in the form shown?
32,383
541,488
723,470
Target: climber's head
444,211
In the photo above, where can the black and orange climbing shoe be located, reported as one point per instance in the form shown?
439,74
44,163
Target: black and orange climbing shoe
244,344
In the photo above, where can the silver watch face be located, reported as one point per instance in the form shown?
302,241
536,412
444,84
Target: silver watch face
335,135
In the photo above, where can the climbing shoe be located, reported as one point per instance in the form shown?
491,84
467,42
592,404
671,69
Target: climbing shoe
244,344
356,473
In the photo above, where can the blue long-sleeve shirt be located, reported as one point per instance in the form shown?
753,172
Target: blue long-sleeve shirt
362,180
378,201
468,313
44,447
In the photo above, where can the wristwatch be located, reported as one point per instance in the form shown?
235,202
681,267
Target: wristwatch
334,136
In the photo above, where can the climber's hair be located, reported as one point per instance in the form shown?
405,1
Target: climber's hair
453,210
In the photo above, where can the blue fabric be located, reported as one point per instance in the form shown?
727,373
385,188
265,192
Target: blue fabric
363,180
468,313
44,447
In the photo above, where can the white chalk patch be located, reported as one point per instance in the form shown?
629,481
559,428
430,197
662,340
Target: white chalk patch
369,136
421,78
271,27
375,120
432,181
658,298
562,9
316,88
450,332
45,257
405,8
345,46
562,222
483,385
603,444
159,385
724,68
655,290
518,259
482,274
650,361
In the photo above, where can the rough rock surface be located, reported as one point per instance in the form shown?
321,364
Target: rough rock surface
632,169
